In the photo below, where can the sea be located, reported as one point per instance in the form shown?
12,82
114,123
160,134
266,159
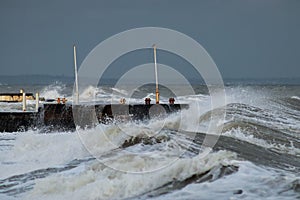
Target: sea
255,156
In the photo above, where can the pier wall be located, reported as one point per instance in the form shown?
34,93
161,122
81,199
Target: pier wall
63,117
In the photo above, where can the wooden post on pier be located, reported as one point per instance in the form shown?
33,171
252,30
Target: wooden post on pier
24,101
37,99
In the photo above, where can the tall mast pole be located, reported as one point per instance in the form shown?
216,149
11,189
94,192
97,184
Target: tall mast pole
76,77
156,77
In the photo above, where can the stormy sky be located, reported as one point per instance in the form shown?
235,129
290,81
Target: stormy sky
245,38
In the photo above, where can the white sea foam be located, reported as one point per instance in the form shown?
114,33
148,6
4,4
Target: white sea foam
5,197
295,97
99,94
91,92
120,91
93,180
244,136
248,95
101,182
53,91
34,151
249,182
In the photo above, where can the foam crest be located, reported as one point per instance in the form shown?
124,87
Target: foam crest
296,97
91,92
120,91
101,182
249,182
32,151
53,91
248,137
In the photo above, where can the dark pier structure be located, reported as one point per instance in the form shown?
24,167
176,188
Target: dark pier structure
65,117
61,116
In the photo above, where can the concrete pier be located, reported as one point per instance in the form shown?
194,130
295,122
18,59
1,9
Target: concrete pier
63,117
18,121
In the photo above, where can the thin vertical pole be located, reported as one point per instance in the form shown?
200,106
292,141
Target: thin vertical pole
156,77
76,77
24,101
37,99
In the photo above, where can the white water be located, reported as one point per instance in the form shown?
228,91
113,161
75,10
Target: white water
295,97
248,137
102,182
253,182
32,151
96,179
53,91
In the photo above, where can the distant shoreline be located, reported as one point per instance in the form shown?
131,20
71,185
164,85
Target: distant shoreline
50,79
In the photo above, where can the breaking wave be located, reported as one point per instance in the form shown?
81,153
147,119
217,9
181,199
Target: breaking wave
256,156
53,91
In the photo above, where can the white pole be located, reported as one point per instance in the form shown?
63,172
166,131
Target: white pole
156,77
76,77
37,99
24,101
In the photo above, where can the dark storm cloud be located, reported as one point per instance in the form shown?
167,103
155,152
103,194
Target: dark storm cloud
251,39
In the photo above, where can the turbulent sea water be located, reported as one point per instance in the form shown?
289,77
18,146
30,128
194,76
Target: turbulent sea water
257,155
